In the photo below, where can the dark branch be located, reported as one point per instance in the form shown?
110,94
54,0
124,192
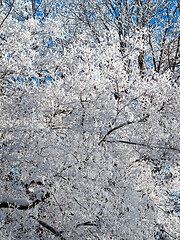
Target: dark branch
87,224
122,125
142,144
80,204
14,204
7,14
53,230
4,204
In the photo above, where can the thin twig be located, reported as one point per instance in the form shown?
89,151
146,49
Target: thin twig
57,202
142,144
80,204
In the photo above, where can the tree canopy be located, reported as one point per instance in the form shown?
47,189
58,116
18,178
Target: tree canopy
89,119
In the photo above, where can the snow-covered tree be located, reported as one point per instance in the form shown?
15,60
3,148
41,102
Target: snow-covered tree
89,139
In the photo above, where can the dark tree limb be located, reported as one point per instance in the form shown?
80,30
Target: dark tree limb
142,144
7,14
87,224
14,204
50,228
177,53
120,126
4,204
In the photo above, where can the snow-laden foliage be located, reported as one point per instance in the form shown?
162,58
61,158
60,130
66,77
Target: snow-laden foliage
89,139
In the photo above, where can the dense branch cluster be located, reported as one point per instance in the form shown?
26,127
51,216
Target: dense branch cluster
89,119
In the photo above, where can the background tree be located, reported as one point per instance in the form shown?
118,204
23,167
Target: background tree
157,24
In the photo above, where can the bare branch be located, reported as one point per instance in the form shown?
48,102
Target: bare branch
122,125
14,203
79,203
142,144
7,14
86,224
53,230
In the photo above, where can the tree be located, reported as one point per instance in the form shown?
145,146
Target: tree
155,24
89,148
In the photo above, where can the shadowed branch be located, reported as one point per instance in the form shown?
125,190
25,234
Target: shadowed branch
122,125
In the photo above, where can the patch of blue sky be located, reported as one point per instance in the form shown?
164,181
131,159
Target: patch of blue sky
37,82
174,200
106,130
160,236
153,21
49,80
4,147
15,169
113,9
175,194
61,5
3,36
41,53
19,18
165,167
149,60
136,102
9,55
92,15
50,43
61,140
35,212
34,81
21,80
